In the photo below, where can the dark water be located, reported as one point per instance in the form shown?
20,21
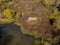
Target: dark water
1,30
18,37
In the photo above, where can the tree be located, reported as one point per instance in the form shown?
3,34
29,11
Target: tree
48,2
9,13
2,1
56,15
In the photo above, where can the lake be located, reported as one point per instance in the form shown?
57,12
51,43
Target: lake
18,37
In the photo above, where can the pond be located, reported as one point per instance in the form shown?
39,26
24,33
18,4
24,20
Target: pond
1,30
18,37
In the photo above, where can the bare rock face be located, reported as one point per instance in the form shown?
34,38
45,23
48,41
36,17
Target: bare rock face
36,25
35,21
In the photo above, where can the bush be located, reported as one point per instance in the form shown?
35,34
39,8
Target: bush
9,13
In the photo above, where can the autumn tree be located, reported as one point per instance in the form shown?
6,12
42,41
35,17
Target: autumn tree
9,13
48,2
56,15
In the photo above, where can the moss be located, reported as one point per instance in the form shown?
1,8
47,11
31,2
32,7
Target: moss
36,42
39,41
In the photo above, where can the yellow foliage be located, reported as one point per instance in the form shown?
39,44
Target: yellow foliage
19,15
37,0
47,2
55,14
37,42
2,0
8,13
